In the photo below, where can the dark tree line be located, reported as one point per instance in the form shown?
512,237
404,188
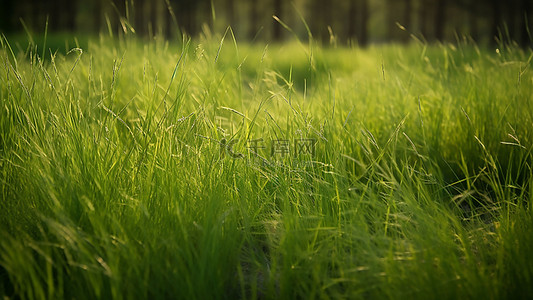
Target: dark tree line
343,21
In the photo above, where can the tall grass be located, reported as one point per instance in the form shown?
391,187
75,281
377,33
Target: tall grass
118,178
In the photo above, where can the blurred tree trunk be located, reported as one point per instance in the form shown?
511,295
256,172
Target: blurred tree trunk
511,15
187,16
322,17
358,16
440,19
399,19
276,29
253,20
6,13
140,10
71,14
97,16
53,9
117,13
526,12
158,17
472,24
36,10
408,9
230,9
363,25
392,19
496,20
204,17
492,18
424,16
352,18
317,17
169,22
314,17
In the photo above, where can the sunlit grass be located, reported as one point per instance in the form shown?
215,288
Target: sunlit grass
117,183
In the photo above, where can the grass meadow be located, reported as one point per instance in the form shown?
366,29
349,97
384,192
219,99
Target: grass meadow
219,169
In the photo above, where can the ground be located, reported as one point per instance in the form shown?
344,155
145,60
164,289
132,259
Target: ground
213,168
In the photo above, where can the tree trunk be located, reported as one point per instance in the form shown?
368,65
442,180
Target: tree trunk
524,14
230,8
97,16
325,10
363,26
352,17
253,20
6,13
390,19
440,20
496,21
118,13
407,19
424,13
169,22
140,20
278,11
525,25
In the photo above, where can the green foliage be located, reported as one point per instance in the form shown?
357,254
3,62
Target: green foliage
117,183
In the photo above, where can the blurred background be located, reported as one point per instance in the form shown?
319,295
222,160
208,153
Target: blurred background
332,22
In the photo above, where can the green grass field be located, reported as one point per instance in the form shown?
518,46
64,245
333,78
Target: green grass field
215,168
